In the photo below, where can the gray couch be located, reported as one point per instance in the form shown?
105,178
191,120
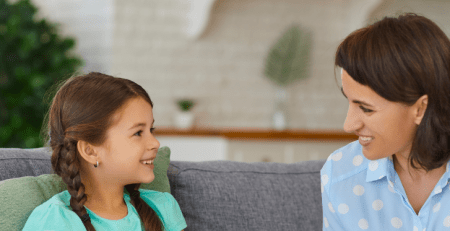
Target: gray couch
222,195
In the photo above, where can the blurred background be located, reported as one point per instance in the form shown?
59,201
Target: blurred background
240,80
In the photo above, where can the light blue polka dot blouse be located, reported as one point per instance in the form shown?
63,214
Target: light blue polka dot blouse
360,194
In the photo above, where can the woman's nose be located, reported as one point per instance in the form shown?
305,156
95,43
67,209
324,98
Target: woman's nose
353,121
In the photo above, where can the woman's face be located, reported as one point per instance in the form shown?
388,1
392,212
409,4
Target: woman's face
127,145
384,127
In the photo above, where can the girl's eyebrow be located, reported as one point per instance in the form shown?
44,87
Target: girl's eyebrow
140,124
356,101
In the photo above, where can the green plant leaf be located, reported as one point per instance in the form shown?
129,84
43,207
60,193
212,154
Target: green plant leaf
288,60
185,104
33,57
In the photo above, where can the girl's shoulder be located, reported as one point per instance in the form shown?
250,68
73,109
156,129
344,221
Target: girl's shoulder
156,196
54,214
344,162
166,207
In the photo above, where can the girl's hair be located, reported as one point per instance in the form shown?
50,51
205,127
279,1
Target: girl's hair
402,59
83,109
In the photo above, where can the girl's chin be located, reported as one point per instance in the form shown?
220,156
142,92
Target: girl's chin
148,180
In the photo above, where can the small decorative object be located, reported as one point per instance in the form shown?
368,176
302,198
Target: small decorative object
287,62
184,119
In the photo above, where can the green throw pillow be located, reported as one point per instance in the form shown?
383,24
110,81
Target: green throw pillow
20,196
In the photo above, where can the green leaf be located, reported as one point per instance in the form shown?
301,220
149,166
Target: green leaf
288,60
33,55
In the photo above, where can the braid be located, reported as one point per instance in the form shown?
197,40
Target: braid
146,213
69,171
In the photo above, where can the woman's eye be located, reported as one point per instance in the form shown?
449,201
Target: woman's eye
152,129
365,109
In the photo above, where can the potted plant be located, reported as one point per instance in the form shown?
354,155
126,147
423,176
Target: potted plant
287,62
184,119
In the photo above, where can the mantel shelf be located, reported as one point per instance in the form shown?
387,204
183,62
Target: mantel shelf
259,134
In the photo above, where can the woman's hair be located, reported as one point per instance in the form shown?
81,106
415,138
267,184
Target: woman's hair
83,109
402,59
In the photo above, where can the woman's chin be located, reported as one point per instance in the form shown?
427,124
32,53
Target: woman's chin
370,155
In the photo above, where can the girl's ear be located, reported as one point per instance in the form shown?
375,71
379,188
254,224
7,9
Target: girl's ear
87,152
419,108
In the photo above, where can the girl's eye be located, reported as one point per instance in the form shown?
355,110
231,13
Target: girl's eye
365,109
151,131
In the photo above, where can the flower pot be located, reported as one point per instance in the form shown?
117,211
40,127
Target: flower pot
279,115
184,120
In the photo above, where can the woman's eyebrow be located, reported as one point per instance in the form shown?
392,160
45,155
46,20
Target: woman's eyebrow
356,101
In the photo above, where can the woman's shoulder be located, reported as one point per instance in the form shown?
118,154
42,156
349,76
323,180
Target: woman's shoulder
344,162
54,214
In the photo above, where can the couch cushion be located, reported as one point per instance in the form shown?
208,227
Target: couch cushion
17,162
19,196
228,195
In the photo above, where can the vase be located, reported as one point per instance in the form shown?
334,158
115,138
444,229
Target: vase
184,119
279,115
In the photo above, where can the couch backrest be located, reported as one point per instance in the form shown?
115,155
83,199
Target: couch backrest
228,195
219,195
17,162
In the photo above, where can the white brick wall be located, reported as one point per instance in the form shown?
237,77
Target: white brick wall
145,40
89,22
223,69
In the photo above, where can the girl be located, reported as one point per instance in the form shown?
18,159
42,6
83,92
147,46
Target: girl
101,136
396,77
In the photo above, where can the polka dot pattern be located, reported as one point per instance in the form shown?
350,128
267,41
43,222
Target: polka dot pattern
377,205
367,195
358,190
343,208
436,207
325,222
396,222
447,221
330,206
357,160
325,179
437,190
337,156
363,224
373,165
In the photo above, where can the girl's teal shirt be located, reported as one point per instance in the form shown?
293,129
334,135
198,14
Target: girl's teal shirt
56,214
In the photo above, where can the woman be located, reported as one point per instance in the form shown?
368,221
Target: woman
101,135
396,76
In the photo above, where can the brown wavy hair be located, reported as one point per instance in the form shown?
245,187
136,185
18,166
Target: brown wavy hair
402,59
83,109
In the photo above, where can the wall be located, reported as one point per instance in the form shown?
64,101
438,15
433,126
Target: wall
223,69
91,23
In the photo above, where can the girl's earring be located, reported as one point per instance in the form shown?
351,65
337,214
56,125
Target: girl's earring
97,164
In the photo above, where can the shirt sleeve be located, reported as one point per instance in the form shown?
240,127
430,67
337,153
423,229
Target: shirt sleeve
330,219
173,218
53,217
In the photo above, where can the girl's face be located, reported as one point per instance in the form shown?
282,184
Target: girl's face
384,127
128,145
